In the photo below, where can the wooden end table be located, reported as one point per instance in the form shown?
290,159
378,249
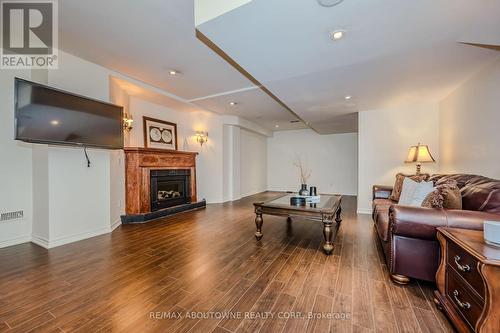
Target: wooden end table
468,280
326,211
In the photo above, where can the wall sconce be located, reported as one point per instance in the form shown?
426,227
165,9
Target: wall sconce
201,137
127,122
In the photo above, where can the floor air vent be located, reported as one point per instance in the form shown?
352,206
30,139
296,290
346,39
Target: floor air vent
11,216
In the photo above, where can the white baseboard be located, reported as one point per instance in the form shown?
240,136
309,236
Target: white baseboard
15,241
78,237
116,224
40,241
227,200
49,244
217,201
244,195
212,201
364,211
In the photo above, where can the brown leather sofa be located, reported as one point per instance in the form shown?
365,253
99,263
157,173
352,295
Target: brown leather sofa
408,234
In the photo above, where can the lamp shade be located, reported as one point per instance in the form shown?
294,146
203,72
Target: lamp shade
419,154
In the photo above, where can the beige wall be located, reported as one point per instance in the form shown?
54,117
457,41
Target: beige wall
470,125
209,160
59,206
462,131
15,167
82,202
253,163
384,139
333,160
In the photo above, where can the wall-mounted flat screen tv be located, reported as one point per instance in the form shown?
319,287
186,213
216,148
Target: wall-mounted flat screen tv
52,116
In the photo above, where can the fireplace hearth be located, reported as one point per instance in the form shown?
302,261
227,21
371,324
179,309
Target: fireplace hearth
169,188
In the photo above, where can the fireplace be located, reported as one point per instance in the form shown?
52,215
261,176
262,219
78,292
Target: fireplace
159,183
170,188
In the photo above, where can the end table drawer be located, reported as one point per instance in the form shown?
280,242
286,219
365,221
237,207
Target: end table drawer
464,300
465,265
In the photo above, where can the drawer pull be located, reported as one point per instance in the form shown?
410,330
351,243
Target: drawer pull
463,268
463,305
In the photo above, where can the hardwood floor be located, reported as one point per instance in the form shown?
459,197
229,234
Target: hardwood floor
208,263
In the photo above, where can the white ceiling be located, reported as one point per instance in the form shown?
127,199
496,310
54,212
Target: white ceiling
263,108
146,39
394,52
143,91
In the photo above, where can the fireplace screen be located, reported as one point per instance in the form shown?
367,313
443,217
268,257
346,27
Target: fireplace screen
169,188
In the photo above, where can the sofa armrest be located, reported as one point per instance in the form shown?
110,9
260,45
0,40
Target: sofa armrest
419,222
382,191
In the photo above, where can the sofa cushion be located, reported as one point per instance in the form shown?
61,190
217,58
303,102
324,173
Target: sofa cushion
478,193
461,179
481,199
398,185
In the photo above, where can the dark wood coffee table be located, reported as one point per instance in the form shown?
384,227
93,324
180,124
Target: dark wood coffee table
326,211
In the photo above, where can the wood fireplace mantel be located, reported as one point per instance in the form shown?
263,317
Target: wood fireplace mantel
138,164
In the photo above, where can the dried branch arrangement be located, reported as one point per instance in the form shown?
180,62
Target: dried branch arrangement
305,171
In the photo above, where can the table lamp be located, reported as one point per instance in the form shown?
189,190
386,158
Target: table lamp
419,154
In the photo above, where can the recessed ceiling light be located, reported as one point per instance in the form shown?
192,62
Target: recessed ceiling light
233,103
337,34
54,122
173,72
276,125
347,97
329,3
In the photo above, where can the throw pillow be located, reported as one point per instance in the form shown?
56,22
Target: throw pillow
424,188
452,198
408,191
445,196
398,185
413,193
433,200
